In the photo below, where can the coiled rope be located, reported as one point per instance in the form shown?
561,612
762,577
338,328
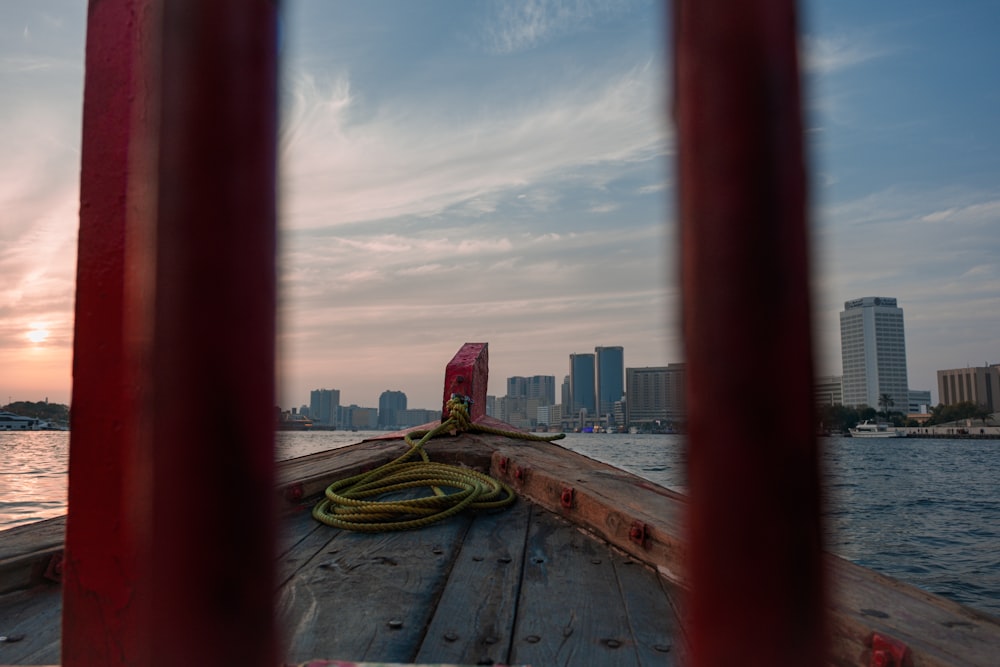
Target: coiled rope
352,503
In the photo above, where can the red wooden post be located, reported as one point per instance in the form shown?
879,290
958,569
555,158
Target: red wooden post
467,374
754,527
170,540
211,564
100,606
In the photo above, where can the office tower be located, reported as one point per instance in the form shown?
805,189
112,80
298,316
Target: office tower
582,393
390,404
610,366
517,387
829,390
542,387
323,404
655,393
873,352
979,385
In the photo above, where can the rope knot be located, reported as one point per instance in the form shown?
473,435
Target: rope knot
458,412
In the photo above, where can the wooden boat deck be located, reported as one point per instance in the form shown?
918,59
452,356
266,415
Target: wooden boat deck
585,568
518,586
521,585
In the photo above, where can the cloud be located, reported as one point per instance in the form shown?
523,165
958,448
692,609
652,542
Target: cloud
520,25
830,54
396,162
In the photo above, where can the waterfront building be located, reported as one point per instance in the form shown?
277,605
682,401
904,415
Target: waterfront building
542,387
549,416
362,419
582,392
390,403
323,406
517,387
919,401
976,384
410,417
873,352
830,390
655,394
610,367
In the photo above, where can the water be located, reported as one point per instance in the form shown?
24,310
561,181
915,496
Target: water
923,511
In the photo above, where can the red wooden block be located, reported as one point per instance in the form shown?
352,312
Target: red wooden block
467,375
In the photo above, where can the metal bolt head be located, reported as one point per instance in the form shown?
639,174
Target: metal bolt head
395,624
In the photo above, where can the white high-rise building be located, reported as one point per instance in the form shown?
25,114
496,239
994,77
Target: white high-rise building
873,353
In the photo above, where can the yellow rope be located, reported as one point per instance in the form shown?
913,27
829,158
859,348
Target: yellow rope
348,503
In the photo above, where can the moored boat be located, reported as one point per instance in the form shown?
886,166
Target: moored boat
870,429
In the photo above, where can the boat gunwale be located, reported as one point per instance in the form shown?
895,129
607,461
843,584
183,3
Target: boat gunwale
606,502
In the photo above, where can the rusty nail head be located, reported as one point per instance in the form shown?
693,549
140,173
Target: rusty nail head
566,497
460,379
638,533
887,651
519,473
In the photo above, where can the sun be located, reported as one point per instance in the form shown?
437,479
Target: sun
38,335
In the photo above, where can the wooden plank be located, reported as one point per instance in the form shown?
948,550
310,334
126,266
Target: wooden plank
27,551
652,618
937,631
304,538
31,618
27,538
474,620
571,610
368,596
606,500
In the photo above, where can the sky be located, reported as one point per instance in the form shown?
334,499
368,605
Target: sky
468,171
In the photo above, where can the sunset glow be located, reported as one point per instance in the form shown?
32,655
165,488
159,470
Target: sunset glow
38,335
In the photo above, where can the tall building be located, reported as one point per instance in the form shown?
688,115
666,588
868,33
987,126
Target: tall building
979,385
582,392
323,404
873,352
542,387
390,404
610,365
655,393
829,390
919,401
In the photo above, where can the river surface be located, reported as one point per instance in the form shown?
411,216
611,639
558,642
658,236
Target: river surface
924,511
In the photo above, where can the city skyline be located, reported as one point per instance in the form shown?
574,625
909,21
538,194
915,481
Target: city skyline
503,172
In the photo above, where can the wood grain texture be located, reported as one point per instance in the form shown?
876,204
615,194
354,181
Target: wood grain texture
474,620
31,617
574,613
368,596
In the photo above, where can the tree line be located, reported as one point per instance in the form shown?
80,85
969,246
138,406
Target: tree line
840,418
50,412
